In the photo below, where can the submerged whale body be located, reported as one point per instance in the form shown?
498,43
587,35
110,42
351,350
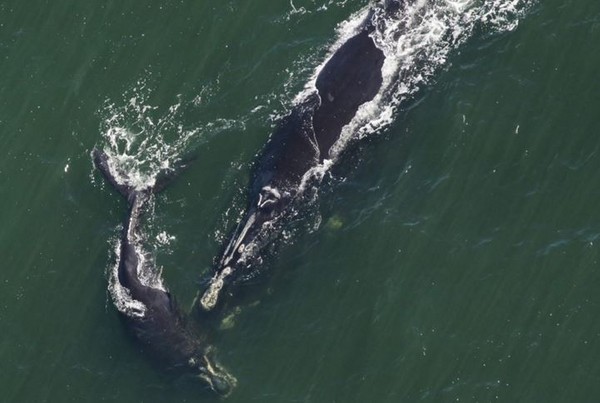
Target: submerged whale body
302,141
160,326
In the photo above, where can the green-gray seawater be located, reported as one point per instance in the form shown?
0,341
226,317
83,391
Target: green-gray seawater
457,255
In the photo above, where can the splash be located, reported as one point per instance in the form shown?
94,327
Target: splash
120,295
140,139
148,274
311,7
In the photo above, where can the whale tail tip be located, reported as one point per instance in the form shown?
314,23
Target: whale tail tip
101,161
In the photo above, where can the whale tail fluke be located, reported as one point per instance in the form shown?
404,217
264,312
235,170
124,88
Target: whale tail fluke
101,161
168,175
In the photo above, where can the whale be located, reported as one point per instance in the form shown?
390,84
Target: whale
301,142
161,326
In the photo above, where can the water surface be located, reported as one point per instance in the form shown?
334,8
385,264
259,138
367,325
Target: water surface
457,256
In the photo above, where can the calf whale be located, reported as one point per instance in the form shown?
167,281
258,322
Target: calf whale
302,141
160,325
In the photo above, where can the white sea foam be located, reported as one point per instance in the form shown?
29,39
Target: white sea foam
310,8
140,139
165,238
148,274
120,295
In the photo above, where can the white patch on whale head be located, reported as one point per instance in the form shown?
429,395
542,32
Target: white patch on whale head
267,196
210,297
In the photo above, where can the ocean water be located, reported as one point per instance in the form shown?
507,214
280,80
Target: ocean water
452,252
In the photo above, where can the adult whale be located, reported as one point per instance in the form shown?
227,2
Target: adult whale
303,140
160,325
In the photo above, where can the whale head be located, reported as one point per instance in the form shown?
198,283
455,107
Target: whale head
212,374
253,233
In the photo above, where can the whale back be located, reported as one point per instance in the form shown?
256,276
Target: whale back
349,79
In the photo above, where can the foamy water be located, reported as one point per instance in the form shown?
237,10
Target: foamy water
142,140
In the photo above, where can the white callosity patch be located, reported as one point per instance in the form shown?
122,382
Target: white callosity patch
268,196
210,296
